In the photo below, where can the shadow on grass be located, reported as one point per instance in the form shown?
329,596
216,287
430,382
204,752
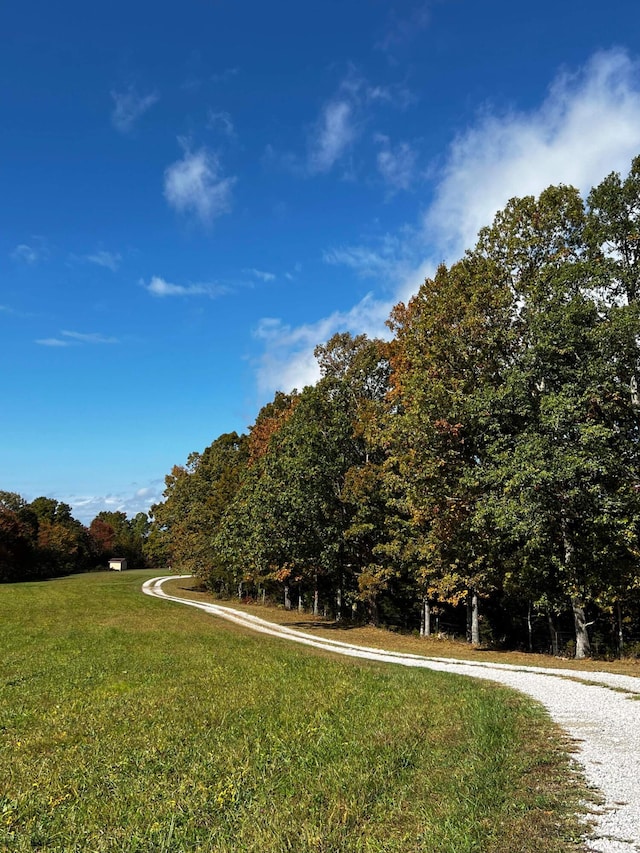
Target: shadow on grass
340,626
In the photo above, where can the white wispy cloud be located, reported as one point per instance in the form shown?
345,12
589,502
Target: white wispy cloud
89,337
398,166
129,106
288,361
223,76
68,338
339,125
196,185
160,287
31,253
402,28
53,342
26,253
130,501
395,95
109,260
587,126
389,260
101,258
222,123
331,136
291,276
261,274
340,121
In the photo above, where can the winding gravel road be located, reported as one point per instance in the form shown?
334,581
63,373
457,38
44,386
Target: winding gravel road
602,716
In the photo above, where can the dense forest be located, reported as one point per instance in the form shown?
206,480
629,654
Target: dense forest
478,472
41,539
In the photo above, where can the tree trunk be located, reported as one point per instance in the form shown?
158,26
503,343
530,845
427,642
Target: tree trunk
583,647
553,635
374,615
339,604
287,599
316,597
425,619
473,621
300,602
240,590
530,628
620,635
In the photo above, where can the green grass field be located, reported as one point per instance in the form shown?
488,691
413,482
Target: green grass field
131,724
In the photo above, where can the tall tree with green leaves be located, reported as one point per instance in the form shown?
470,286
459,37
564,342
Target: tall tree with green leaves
289,521
451,344
196,497
613,231
556,485
355,375
295,503
18,538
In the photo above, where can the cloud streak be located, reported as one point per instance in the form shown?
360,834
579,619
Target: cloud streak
222,123
223,76
261,274
405,28
31,253
397,166
52,342
288,361
90,337
195,185
26,253
339,125
108,260
129,106
161,288
68,338
341,119
86,507
331,136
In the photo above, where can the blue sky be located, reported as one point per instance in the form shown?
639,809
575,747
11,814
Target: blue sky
193,196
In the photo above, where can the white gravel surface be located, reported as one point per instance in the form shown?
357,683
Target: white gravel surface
602,716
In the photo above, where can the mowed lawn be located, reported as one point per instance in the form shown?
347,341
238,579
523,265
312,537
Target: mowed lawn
133,724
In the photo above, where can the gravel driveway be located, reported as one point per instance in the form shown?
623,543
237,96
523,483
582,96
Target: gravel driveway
602,716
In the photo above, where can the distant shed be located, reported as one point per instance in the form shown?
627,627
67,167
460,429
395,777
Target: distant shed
118,564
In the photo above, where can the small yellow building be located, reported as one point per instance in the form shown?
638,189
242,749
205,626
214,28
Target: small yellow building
118,564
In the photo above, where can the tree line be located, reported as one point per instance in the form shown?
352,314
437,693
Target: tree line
41,539
479,469
477,472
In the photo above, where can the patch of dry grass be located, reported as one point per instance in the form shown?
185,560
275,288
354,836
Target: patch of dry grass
379,638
